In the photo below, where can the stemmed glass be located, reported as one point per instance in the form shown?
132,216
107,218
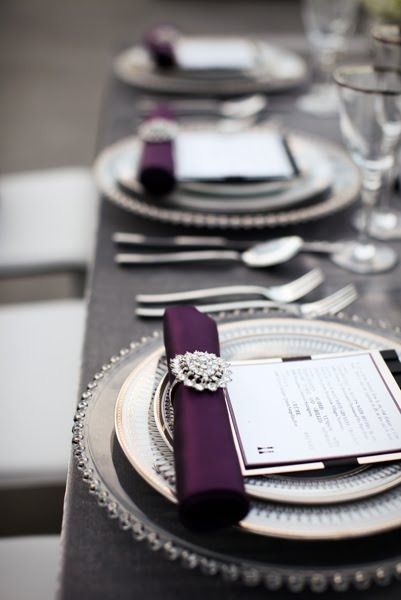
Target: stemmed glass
328,25
385,222
370,119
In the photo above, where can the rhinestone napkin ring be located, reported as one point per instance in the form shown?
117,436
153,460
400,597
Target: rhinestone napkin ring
158,130
201,370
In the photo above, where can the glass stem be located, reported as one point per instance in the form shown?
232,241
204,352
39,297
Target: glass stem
325,61
388,185
389,181
371,187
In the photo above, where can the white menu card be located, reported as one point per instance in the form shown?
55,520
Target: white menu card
310,413
250,155
229,53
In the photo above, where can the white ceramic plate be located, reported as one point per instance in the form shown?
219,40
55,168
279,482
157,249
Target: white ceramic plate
276,69
316,178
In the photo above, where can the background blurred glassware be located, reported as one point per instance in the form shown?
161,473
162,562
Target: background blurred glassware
370,119
385,221
384,10
328,25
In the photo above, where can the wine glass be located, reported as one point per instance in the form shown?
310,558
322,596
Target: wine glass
370,120
328,25
385,221
387,42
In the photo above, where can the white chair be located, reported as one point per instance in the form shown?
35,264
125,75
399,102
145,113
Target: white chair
47,220
29,567
40,350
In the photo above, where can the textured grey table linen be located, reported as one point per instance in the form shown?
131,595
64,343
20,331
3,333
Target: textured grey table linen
99,560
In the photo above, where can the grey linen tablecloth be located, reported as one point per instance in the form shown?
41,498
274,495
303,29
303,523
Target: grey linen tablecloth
99,561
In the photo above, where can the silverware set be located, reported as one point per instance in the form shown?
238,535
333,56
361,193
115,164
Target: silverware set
254,254
282,297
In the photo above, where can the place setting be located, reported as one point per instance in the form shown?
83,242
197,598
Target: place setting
172,61
207,175
182,416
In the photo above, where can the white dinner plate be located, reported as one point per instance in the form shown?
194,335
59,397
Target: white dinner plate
275,69
316,176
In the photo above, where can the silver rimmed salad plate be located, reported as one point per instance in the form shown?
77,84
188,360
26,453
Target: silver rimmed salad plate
275,69
236,554
329,182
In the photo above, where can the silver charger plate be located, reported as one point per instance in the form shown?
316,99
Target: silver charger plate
192,209
275,70
234,555
316,177
373,508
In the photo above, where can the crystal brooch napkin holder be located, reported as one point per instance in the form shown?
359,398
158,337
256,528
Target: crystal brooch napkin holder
200,370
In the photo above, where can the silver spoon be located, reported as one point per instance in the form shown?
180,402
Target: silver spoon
281,250
265,254
243,108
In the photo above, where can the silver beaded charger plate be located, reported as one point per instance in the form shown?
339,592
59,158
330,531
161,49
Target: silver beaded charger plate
275,69
193,209
146,448
315,179
235,554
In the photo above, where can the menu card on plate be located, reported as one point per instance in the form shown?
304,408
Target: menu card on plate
246,155
214,53
315,412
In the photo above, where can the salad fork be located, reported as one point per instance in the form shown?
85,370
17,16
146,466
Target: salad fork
328,305
287,292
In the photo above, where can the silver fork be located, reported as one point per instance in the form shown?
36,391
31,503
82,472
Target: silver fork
329,305
287,292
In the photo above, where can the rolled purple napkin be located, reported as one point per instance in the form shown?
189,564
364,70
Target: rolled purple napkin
156,170
210,487
159,41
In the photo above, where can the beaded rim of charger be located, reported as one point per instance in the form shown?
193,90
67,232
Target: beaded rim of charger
273,578
201,370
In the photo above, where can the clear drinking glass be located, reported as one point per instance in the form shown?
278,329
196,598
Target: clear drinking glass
387,42
370,120
385,222
328,25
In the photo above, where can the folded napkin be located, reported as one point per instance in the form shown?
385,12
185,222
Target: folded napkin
156,170
159,41
210,488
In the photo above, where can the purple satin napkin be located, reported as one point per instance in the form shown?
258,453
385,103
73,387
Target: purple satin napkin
210,487
159,41
156,170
